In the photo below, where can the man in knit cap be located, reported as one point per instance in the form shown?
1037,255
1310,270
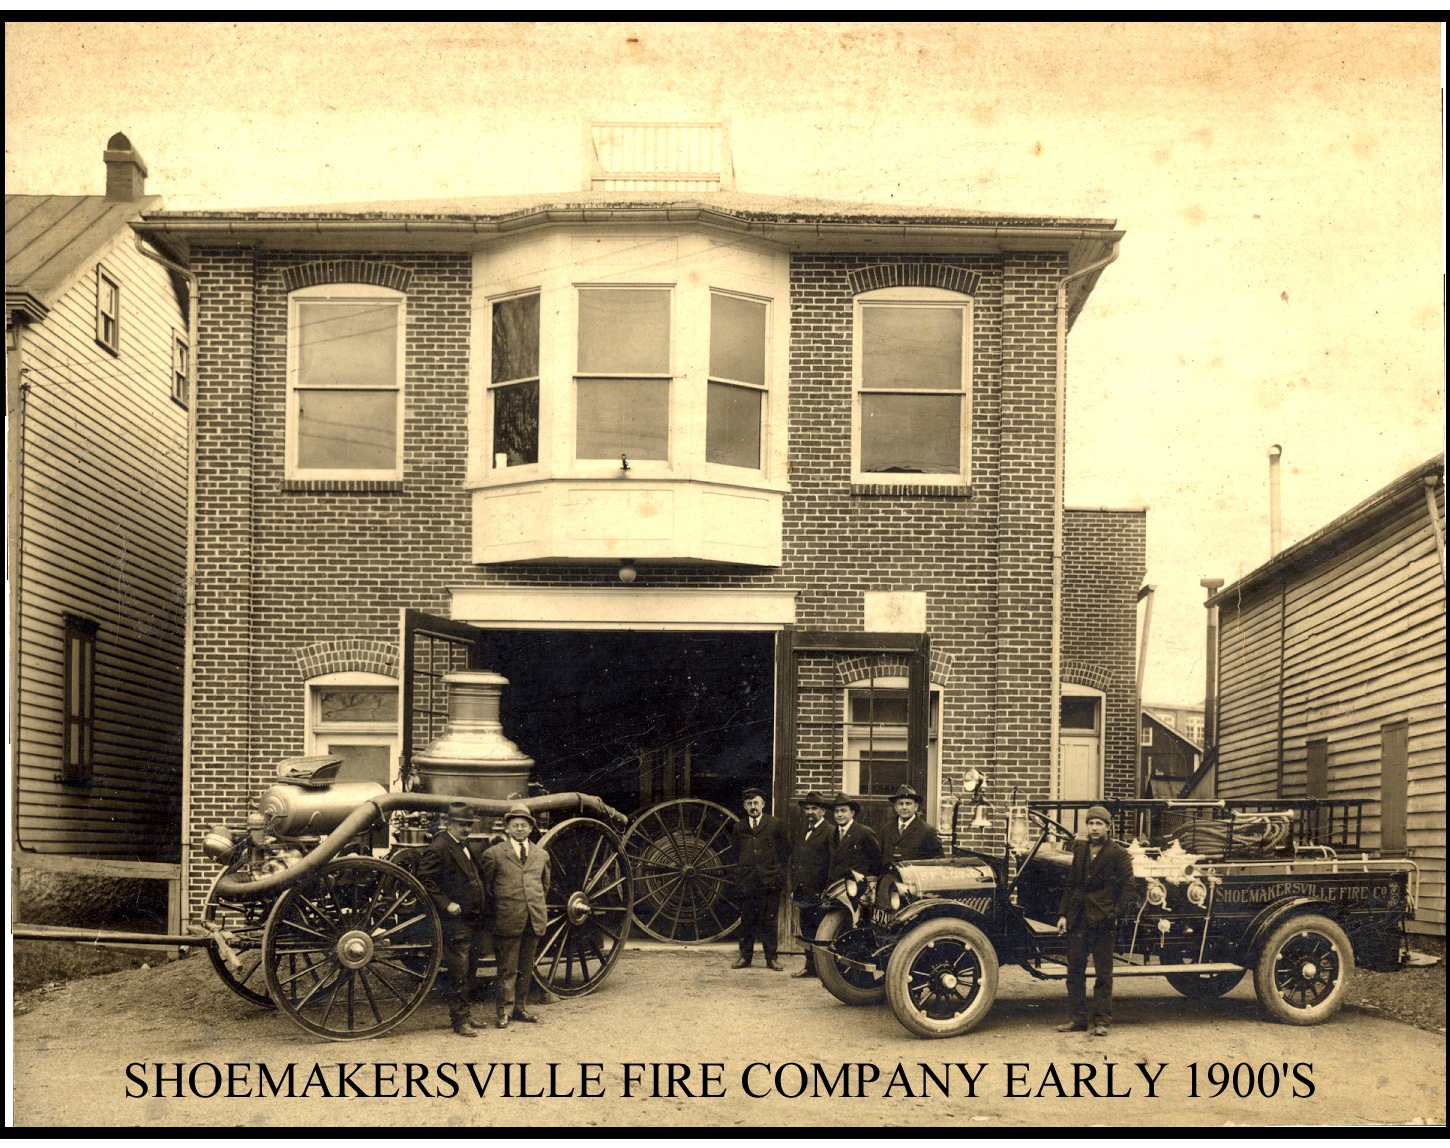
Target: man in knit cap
1100,889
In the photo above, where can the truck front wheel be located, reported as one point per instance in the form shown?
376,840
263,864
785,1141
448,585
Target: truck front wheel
848,985
1303,971
942,978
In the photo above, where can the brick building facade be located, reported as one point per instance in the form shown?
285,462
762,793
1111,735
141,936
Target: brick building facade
851,583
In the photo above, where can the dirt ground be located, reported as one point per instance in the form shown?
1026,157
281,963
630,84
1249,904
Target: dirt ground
87,1053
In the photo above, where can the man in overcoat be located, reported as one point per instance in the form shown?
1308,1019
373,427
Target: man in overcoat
1100,889
516,874
811,857
762,848
909,836
450,875
854,847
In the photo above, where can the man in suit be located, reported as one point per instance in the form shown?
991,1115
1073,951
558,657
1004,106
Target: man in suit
1100,889
854,848
447,870
812,860
762,849
516,874
909,837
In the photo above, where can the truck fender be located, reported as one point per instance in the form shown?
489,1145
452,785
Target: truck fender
1269,918
931,908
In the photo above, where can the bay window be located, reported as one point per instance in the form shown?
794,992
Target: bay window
736,397
623,378
514,385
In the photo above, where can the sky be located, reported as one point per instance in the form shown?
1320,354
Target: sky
1281,187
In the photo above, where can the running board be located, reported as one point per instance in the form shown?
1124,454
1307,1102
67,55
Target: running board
1164,970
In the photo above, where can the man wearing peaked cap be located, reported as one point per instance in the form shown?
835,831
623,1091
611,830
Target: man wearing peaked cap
908,836
1100,889
449,874
762,850
811,859
854,847
516,873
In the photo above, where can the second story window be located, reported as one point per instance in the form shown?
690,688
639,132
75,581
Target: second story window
736,400
623,378
913,386
345,383
180,369
514,382
79,669
108,311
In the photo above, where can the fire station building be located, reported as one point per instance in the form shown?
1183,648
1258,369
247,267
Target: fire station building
734,491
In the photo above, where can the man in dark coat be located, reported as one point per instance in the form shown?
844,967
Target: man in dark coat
516,874
909,837
812,860
449,874
854,847
1100,889
762,849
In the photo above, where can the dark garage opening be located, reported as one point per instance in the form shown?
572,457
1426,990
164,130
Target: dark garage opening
640,717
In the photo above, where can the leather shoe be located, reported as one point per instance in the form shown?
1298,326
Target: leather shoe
1072,1026
774,966
805,972
502,1022
741,963
525,1017
463,1028
1100,1030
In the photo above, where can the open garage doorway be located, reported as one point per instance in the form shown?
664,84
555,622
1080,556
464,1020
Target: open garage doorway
639,717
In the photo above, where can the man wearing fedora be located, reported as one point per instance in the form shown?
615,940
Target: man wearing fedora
854,847
908,836
449,874
812,860
1100,889
516,875
762,849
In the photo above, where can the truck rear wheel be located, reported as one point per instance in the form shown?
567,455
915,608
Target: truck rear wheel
942,978
849,986
1303,971
1206,986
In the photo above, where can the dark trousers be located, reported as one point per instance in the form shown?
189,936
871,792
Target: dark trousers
757,907
515,969
462,941
812,913
1097,940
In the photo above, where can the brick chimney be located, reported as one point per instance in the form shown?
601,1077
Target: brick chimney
125,170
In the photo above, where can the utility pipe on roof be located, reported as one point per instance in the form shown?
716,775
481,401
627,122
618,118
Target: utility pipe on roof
188,667
1276,530
1058,480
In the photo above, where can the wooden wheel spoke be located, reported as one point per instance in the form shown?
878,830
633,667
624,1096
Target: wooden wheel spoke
413,920
362,980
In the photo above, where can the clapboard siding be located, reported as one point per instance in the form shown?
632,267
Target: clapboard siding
103,516
1337,645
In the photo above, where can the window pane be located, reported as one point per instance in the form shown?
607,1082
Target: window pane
1078,713
516,423
347,430
362,762
347,344
516,339
624,332
732,426
919,348
623,416
882,773
354,705
737,339
890,707
911,434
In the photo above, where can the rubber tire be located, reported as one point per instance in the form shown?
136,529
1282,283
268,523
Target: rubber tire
830,973
899,970
1272,999
1206,986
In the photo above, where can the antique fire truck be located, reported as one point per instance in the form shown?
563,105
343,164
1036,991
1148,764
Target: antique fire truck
1224,888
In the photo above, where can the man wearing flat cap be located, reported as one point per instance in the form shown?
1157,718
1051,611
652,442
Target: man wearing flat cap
811,858
762,850
854,848
1100,889
449,874
909,836
516,875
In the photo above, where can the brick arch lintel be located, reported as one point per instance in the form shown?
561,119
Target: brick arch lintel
347,271
1088,674
942,275
857,668
350,655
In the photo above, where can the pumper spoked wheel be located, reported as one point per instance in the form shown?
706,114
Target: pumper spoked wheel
679,852
352,951
589,900
241,924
